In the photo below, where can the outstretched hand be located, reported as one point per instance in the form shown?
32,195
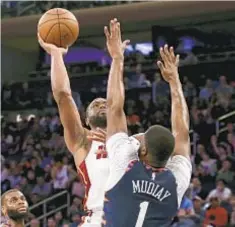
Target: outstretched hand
169,66
50,48
114,42
98,135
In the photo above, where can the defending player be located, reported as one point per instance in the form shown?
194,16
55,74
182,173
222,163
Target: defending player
144,193
14,208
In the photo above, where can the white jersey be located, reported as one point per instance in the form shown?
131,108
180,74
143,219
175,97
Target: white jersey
94,171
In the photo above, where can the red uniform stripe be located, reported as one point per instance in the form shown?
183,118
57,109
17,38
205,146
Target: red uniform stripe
85,179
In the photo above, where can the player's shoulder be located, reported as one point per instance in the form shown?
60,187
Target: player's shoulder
181,168
178,161
121,139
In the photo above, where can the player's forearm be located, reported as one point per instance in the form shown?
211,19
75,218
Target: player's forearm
116,90
179,111
74,133
59,76
116,119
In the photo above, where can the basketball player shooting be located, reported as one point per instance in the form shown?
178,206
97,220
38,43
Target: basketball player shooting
90,156
14,208
147,192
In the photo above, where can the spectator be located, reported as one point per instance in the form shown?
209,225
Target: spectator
224,89
232,204
221,192
7,96
160,89
34,199
25,187
31,178
42,188
215,214
231,140
197,189
186,207
198,209
51,222
189,89
58,219
76,206
4,171
78,188
76,220
60,177
207,91
225,173
25,96
139,78
208,164
15,177
34,223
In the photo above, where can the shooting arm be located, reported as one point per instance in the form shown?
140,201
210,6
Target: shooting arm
115,99
74,133
179,119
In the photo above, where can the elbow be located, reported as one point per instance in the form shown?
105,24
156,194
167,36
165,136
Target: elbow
182,134
115,105
61,94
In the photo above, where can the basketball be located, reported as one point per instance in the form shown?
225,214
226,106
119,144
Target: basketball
59,27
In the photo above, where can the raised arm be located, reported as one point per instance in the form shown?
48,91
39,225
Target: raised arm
74,133
179,109
116,119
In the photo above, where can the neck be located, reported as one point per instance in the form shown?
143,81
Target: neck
154,165
18,223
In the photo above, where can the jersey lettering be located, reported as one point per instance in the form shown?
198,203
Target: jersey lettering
149,188
101,153
142,214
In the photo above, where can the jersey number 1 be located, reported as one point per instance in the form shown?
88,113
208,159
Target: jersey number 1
142,213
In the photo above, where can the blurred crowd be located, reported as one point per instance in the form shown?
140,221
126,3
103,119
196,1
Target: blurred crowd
34,154
19,8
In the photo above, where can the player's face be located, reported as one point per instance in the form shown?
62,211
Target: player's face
96,113
16,206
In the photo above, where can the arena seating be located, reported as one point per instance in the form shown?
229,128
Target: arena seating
24,8
32,145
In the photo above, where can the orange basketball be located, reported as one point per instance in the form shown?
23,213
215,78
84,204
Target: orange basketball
59,27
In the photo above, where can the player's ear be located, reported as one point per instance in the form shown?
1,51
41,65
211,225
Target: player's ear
3,210
142,151
87,121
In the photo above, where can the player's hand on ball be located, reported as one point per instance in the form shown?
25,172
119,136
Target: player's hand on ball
98,135
169,66
114,42
50,48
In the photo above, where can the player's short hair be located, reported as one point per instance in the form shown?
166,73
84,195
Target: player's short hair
6,193
91,103
159,143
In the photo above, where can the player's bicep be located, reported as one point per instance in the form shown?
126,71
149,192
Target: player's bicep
74,133
121,151
181,168
182,145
